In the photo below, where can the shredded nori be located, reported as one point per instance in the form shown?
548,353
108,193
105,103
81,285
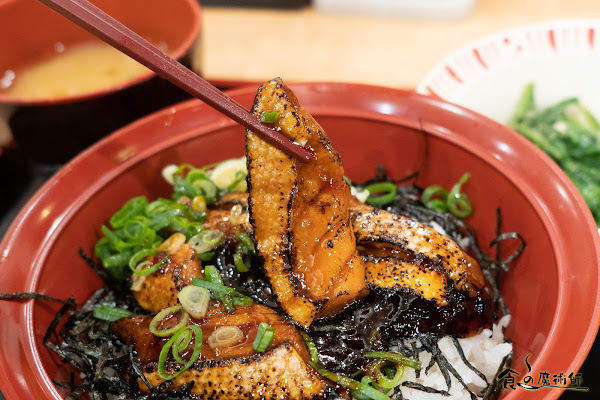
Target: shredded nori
493,390
29,296
109,369
461,353
423,388
407,203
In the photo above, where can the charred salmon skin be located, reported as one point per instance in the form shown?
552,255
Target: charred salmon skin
299,213
235,371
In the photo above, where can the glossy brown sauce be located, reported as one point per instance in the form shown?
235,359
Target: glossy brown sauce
395,315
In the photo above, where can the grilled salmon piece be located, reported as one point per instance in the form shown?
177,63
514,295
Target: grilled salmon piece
219,216
233,372
159,290
395,273
299,212
385,235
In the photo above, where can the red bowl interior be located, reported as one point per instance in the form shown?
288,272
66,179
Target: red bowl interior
552,290
30,31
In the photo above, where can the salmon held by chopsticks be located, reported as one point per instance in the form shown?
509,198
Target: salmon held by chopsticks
299,212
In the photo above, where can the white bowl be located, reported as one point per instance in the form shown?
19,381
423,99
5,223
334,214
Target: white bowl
562,59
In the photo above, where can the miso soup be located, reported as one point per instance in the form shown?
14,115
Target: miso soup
77,70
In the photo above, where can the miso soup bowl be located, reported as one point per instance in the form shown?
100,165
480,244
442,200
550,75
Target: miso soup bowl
552,290
53,130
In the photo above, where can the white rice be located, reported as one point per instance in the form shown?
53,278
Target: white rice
485,351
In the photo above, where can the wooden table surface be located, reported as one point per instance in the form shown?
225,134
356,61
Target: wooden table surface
243,44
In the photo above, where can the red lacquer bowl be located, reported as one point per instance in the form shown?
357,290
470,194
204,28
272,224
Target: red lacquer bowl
552,290
52,130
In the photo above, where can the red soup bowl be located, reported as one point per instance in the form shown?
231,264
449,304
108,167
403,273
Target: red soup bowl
53,127
552,289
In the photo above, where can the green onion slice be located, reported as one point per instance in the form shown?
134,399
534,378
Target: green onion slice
437,205
205,188
181,344
205,257
137,257
195,300
312,348
225,336
434,192
246,243
459,203
241,264
385,193
162,315
360,390
133,207
146,268
269,117
178,345
206,241
264,337
111,314
437,198
395,358
368,391
379,373
225,294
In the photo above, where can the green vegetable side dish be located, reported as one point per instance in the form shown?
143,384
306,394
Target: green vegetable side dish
570,135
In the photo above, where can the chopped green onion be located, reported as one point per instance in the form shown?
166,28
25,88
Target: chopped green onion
459,203
337,378
111,314
133,207
380,375
206,240
269,117
168,171
246,243
241,264
375,338
264,337
225,294
205,257
175,343
386,193
212,274
437,205
181,344
368,391
137,257
206,188
456,202
235,184
394,357
135,229
195,300
312,348
149,269
360,390
158,318
225,336
435,197
191,182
